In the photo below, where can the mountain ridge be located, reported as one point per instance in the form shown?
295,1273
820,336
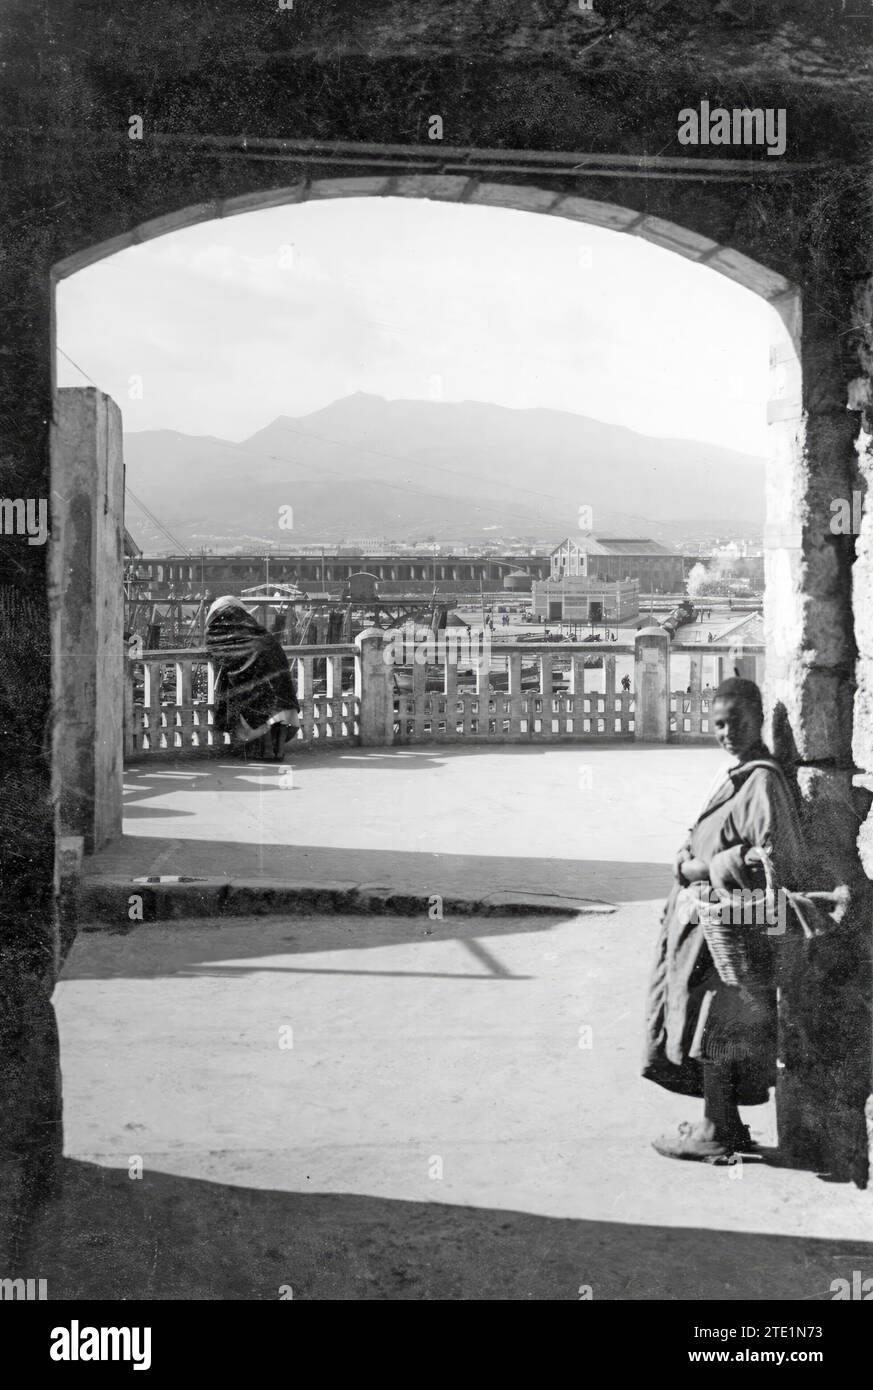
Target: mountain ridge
408,469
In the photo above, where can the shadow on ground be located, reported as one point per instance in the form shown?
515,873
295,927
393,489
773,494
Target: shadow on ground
217,948
608,879
165,1237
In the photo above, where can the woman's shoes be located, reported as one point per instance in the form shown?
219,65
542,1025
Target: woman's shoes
693,1142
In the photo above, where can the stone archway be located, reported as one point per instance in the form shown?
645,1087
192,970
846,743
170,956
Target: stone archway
533,98
808,606
786,478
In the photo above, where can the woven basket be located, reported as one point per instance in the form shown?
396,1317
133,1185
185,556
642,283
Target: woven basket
739,949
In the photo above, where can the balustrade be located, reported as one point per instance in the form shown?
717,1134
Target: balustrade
509,693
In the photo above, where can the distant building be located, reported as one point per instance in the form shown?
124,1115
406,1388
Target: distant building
366,545
747,632
659,569
577,598
517,583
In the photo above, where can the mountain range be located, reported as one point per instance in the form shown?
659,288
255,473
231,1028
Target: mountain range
415,470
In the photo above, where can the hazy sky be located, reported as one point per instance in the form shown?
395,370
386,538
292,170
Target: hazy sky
231,323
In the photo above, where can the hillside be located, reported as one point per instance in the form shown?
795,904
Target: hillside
407,470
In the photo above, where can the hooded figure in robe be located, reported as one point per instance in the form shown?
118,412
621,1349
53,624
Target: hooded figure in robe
255,699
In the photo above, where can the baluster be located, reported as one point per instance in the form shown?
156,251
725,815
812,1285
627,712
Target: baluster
577,681
333,697
333,677
213,737
609,689
184,711
419,695
694,663
154,672
547,679
451,652
309,720
547,664
482,668
128,726
515,696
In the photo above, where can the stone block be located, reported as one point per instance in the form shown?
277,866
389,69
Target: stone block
441,187
862,737
362,187
674,238
263,198
865,845
759,278
834,810
598,214
176,221
814,711
507,195
789,307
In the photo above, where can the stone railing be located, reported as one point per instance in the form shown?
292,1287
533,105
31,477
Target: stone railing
524,692
170,701
516,693
690,709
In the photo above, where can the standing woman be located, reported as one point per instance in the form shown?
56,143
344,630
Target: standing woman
706,1038
255,700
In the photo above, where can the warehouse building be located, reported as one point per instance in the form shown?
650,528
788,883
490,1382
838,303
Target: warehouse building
576,598
659,569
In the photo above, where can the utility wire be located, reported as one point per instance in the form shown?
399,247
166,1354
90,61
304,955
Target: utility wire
78,368
180,548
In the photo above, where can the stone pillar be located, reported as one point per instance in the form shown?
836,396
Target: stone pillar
694,676
652,685
374,688
810,688
86,587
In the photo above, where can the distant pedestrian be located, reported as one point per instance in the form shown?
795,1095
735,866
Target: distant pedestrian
625,682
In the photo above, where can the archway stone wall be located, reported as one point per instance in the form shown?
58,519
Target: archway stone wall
239,108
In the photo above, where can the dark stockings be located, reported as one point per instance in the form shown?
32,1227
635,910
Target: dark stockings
720,1100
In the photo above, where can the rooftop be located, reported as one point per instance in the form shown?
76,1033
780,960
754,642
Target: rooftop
609,545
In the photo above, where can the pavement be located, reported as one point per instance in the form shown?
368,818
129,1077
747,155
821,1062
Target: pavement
573,822
433,1105
406,1108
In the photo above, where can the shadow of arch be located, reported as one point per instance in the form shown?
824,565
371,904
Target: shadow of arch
172,1237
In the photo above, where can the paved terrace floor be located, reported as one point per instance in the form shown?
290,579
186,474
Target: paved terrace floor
435,1131
586,821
